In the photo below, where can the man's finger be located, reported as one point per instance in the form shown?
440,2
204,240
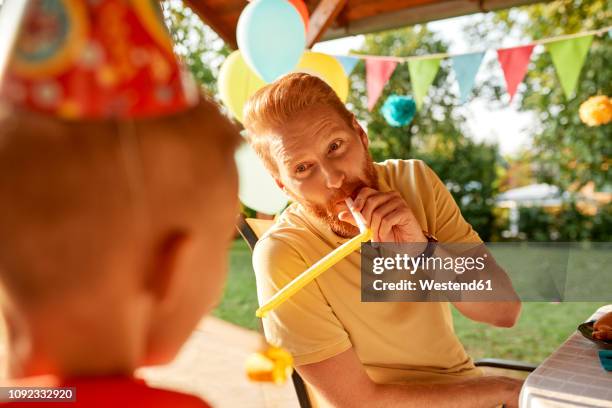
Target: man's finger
372,203
381,214
391,220
362,196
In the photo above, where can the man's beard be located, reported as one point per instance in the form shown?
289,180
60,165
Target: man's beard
327,213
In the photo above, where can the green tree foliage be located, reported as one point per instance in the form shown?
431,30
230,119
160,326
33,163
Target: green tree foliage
567,224
567,151
199,46
471,173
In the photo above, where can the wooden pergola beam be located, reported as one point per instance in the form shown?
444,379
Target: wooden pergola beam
322,18
417,12
211,18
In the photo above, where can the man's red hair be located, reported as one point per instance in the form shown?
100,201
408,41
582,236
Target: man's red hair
280,102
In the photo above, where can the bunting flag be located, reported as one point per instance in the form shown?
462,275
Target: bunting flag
514,62
348,63
568,54
466,67
378,72
568,57
422,74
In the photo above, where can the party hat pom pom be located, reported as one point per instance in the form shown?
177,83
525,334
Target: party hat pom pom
398,110
596,111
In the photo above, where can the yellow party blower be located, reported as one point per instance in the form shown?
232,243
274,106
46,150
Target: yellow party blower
365,234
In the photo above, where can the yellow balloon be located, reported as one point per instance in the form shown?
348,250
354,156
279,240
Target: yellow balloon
328,69
237,82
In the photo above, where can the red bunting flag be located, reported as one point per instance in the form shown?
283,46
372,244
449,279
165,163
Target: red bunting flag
378,72
514,63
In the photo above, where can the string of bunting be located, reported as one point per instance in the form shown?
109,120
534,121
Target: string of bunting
264,56
568,54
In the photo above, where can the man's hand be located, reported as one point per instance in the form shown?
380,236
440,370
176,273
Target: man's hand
387,215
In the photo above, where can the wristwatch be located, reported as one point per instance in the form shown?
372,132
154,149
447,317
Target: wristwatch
431,244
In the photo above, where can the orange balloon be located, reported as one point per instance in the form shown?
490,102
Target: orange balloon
303,10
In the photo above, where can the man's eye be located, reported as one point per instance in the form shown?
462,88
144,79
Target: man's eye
334,146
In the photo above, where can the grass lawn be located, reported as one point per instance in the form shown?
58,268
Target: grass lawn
240,297
540,330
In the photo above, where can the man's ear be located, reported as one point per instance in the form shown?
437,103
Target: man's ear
363,136
169,259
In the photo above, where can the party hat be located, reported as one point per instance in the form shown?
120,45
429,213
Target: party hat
97,59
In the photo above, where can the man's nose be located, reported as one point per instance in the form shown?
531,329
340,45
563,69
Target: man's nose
334,178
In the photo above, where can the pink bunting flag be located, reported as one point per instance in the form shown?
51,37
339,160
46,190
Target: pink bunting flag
378,72
514,63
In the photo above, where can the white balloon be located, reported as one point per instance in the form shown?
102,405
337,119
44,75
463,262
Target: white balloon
257,189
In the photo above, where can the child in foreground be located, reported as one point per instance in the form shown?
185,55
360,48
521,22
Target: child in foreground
118,192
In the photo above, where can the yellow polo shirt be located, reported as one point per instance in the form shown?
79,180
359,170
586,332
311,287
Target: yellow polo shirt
397,342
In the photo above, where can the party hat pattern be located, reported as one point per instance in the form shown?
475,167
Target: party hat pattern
96,59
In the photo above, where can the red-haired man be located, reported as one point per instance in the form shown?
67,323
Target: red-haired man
354,353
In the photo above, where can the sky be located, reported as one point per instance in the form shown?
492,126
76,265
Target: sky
507,126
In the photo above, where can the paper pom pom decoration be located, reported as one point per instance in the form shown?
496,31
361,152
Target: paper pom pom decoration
596,111
398,110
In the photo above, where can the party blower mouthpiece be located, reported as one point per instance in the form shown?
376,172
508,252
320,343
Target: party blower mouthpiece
361,224
321,265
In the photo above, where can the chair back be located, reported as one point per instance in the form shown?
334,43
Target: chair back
251,229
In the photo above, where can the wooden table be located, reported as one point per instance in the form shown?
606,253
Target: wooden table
571,377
